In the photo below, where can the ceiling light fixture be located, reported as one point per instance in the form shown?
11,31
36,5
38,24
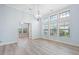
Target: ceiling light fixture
38,16
36,10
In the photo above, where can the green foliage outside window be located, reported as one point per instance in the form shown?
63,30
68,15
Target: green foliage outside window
20,30
25,30
62,32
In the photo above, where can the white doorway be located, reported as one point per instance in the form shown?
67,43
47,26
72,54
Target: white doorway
25,35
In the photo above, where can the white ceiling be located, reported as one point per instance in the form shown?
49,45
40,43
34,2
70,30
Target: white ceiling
43,8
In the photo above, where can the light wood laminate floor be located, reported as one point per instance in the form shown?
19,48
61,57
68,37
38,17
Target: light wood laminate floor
38,47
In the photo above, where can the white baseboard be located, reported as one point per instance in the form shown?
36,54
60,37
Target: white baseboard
6,43
64,41
36,37
67,42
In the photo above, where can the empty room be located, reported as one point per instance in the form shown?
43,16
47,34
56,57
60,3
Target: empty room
39,29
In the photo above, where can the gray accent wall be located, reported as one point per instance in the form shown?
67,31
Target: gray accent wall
74,23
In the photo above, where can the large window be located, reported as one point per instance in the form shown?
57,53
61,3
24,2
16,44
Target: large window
45,26
59,25
53,25
64,28
65,14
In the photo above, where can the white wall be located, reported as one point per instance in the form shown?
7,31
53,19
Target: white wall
9,23
35,25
